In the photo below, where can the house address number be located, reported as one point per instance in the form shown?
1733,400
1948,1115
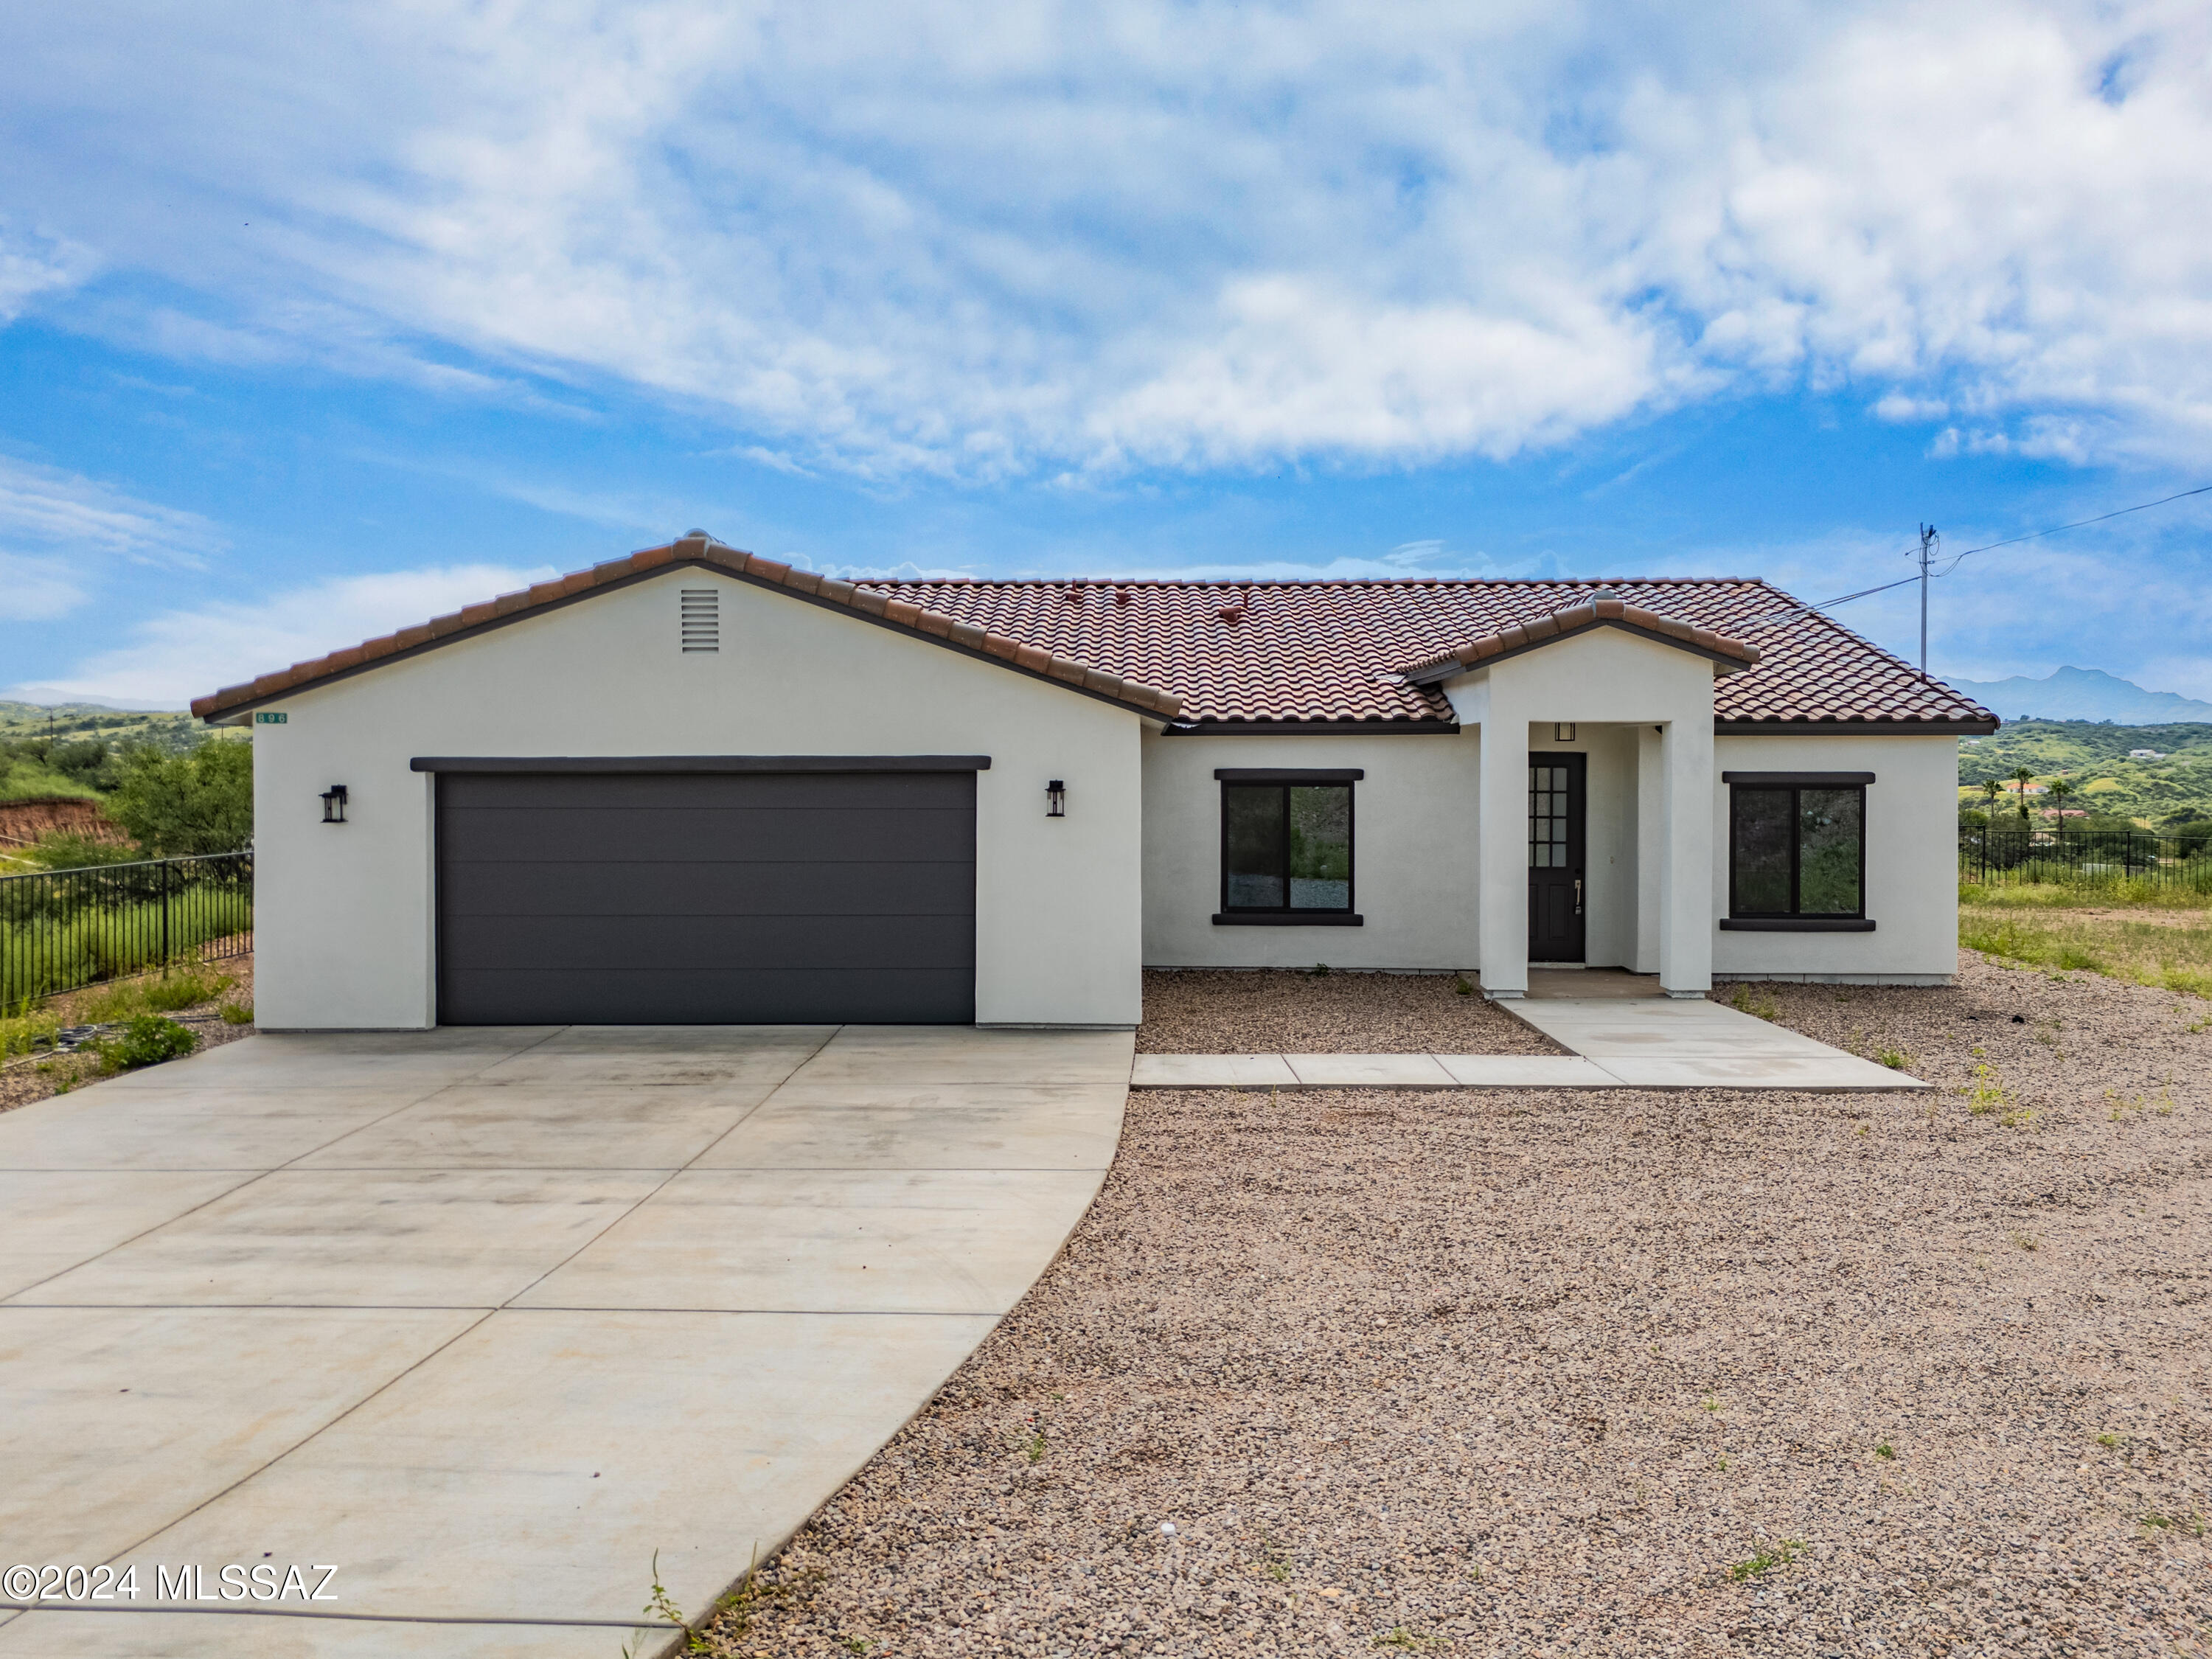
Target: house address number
267,717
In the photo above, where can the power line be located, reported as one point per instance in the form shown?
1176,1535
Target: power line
1920,552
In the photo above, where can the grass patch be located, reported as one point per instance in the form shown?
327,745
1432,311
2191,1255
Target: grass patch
1774,1555
1758,1003
26,1031
40,958
2109,893
161,994
2172,953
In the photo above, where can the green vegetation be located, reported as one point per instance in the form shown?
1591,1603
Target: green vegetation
147,1040
2166,943
30,1028
164,728
2101,781
74,750
44,951
162,994
200,801
1774,1555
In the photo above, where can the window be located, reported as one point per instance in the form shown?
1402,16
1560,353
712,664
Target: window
1797,846
1286,846
1550,811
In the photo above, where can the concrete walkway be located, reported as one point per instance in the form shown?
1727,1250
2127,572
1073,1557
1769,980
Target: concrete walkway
1614,1041
485,1318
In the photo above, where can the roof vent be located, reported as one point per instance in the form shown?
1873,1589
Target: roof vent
701,618
1604,593
707,535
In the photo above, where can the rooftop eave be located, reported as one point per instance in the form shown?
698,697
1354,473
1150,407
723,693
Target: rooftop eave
1727,656
234,704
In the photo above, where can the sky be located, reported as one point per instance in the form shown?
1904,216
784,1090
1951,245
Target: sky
318,321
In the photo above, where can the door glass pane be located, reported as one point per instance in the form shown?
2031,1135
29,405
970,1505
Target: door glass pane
1547,817
1828,851
1321,846
1761,851
1254,849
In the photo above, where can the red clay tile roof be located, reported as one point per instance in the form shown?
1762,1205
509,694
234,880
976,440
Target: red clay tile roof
1228,653
1023,654
1343,651
1602,609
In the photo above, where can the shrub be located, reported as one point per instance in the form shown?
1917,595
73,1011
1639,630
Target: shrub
147,1040
21,1033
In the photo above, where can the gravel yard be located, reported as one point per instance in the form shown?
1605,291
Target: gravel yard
1554,1372
1195,1011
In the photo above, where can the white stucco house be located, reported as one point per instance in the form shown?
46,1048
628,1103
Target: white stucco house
695,786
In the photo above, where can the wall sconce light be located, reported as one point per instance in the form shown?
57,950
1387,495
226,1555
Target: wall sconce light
334,804
1055,799
1563,732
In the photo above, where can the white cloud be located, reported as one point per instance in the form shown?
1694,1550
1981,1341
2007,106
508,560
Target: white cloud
60,531
1006,237
32,264
187,653
45,506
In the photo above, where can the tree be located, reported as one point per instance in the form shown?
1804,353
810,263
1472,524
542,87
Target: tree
2060,789
201,801
2023,776
1990,790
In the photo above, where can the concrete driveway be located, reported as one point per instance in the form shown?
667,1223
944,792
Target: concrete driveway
484,1318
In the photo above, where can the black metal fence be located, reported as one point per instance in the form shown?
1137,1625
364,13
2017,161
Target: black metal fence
62,929
2001,855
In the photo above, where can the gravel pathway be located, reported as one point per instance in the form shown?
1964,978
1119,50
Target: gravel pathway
1593,1373
1193,1011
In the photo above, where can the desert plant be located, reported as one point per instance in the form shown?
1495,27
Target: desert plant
147,1040
1774,1555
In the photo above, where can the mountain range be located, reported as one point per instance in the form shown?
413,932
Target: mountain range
2082,694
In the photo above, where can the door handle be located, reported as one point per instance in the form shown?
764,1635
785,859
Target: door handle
1578,895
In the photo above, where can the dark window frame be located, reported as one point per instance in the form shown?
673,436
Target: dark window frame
1283,779
1794,784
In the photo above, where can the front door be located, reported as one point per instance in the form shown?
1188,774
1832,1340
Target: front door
1555,856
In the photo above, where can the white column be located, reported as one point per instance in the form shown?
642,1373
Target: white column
1503,849
1650,847
1685,884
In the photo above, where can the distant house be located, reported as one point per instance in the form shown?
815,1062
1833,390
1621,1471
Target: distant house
695,786
2145,754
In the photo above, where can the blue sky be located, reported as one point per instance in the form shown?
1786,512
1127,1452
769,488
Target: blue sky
314,322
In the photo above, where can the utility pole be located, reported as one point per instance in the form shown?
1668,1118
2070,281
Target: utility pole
1928,545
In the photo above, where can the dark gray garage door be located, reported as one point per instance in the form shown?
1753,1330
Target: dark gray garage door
707,898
